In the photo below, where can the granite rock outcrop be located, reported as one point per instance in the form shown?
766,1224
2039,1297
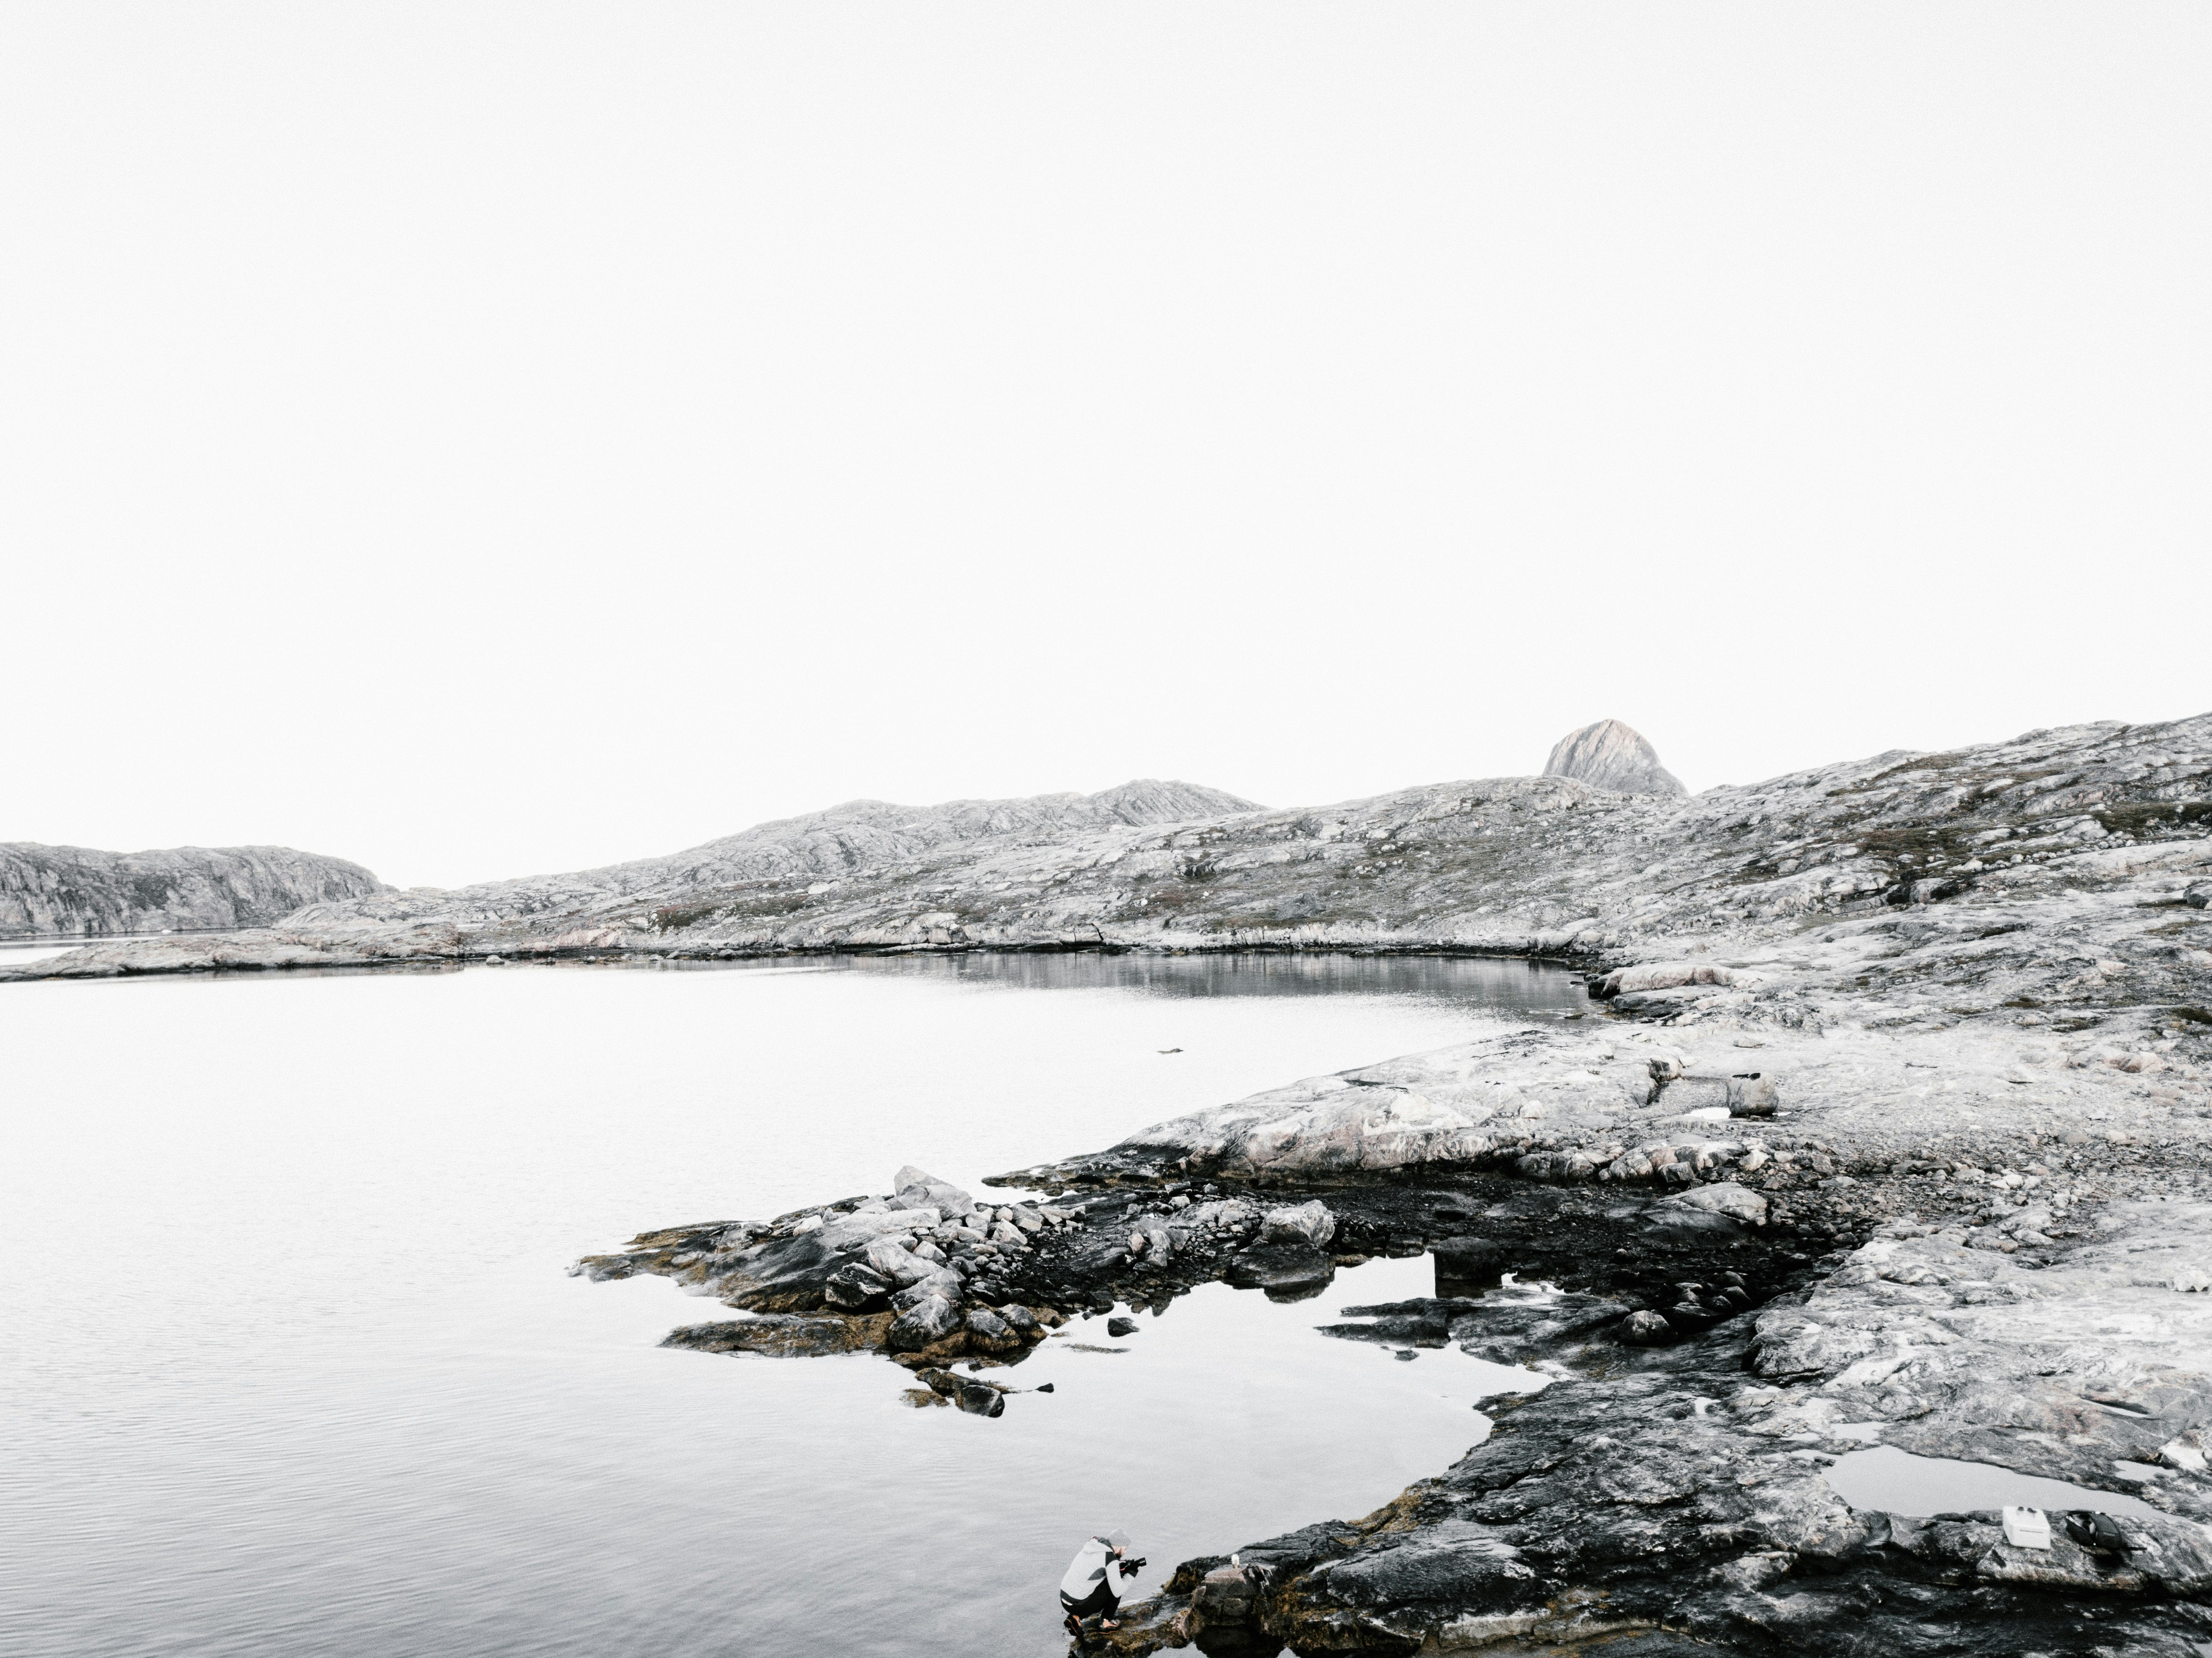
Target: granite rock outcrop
1612,757
49,891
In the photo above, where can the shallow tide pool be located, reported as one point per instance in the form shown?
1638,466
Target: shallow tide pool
294,1366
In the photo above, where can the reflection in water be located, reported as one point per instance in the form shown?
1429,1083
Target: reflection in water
1469,981
1898,1482
292,1365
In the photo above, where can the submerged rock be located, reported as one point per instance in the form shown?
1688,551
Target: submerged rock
786,1335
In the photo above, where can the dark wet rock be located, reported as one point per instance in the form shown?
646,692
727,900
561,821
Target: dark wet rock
1286,1271
788,1335
988,1332
785,1274
855,1286
929,1320
1637,1510
1467,1266
978,1399
1519,1323
1120,1327
1644,1329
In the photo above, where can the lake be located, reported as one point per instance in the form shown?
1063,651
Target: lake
293,1364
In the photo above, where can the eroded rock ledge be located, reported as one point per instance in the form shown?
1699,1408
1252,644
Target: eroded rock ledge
1743,1233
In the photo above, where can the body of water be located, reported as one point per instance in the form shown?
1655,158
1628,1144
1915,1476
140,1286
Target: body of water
293,1365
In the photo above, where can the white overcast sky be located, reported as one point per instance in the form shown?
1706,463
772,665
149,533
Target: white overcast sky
481,439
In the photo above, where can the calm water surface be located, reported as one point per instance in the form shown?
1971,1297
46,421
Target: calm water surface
292,1365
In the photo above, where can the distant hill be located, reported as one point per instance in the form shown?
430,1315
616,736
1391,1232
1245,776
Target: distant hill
1563,866
47,891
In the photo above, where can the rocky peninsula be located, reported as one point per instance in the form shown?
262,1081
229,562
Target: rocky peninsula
63,891
1884,1122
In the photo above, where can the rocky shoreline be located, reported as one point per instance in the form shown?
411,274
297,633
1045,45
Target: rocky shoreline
1886,1121
1716,1337
1924,1169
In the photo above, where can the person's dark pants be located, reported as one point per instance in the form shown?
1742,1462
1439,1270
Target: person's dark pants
1101,1602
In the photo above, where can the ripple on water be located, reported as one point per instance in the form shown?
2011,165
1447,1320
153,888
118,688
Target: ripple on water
293,1364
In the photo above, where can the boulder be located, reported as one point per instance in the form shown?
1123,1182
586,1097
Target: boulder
1721,1197
1660,975
1286,1271
1022,1322
864,1226
946,1285
1751,1095
901,1265
916,1188
1120,1327
1644,1329
1614,757
2198,895
977,1399
1310,1222
928,1320
1468,1265
1149,1236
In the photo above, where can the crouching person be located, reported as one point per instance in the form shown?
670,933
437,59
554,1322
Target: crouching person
1095,1582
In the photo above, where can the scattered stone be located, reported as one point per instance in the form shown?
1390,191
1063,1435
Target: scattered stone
1645,1329
978,1399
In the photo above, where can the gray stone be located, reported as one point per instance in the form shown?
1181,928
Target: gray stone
929,1320
1644,1329
1611,755
1310,1222
946,1285
1724,1198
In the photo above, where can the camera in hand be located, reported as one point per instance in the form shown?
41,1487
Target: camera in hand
1131,1568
